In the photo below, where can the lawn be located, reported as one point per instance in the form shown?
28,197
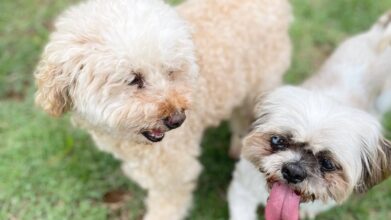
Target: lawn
50,170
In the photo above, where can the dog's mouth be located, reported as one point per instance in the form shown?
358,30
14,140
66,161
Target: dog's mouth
283,203
154,135
304,196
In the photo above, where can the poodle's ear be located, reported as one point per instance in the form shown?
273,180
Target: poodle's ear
378,169
61,63
53,84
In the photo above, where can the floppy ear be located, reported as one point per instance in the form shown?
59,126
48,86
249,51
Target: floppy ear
378,169
53,88
61,62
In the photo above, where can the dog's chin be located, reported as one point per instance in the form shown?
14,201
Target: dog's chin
154,135
304,197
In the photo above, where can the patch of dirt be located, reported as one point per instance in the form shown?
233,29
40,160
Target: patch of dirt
116,196
116,200
13,95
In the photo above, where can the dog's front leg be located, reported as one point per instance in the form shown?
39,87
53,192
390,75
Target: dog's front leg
170,179
246,191
168,203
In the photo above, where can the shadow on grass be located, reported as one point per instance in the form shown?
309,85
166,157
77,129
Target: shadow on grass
210,197
51,170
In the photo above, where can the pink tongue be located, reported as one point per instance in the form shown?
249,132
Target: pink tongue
283,203
156,132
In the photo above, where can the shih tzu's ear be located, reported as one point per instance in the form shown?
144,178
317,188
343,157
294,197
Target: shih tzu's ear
378,169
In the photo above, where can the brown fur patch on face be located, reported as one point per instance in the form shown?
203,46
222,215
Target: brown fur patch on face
174,102
165,109
327,184
178,100
337,185
256,146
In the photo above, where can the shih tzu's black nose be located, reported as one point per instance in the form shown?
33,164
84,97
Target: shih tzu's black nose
293,172
175,120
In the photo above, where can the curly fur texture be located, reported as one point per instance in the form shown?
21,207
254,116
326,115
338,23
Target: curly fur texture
121,67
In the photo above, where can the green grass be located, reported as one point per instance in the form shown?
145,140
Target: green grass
50,170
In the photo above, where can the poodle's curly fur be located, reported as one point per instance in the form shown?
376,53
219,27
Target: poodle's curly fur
122,67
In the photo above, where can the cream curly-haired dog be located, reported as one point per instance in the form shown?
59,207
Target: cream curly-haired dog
126,70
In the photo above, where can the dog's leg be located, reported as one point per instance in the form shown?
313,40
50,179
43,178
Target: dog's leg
169,203
169,177
239,124
246,191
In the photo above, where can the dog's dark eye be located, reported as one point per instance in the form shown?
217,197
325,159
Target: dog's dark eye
326,165
278,142
138,80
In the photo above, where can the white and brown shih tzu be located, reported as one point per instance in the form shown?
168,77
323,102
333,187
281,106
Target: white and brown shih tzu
313,145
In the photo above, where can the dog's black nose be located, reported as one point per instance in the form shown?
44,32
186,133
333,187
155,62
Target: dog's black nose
175,120
293,172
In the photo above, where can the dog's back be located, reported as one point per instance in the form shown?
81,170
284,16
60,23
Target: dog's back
243,48
359,69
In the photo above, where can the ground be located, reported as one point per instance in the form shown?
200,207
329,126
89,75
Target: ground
50,170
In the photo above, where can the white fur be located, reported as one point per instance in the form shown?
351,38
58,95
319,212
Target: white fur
384,101
334,111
